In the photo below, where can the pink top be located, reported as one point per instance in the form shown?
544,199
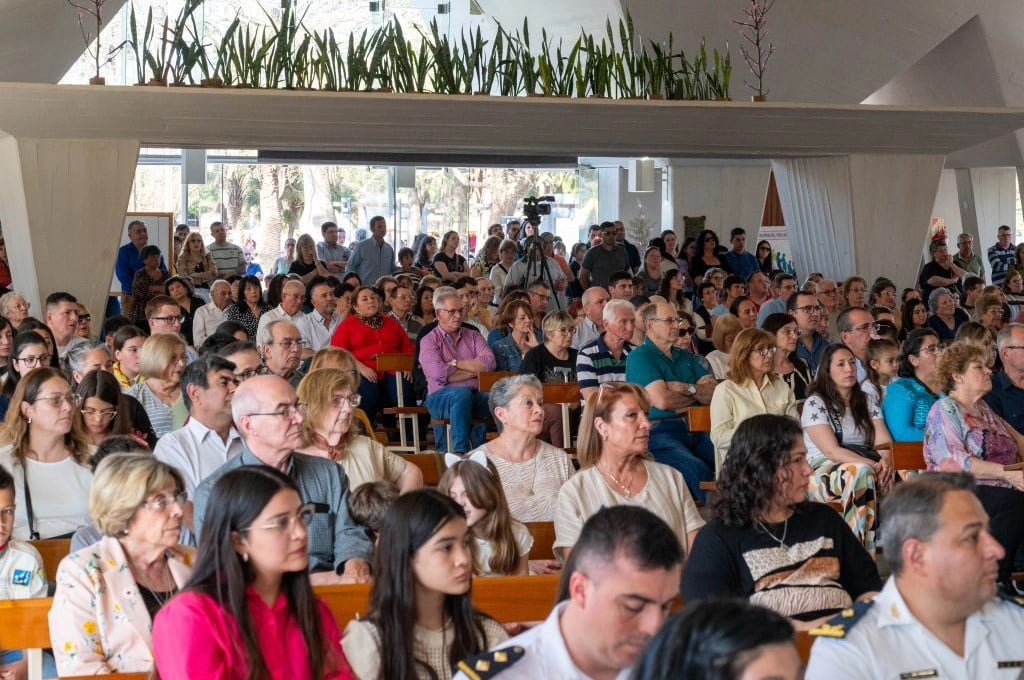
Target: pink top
194,637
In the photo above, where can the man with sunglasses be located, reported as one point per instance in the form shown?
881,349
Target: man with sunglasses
674,381
209,438
604,259
269,418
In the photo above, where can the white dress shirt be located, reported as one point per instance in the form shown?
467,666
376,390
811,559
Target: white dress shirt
315,335
205,322
275,314
196,451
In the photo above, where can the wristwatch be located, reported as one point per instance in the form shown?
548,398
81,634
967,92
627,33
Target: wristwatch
691,390
453,363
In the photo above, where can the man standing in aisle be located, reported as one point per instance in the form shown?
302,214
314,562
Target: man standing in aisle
1001,256
228,258
966,258
373,257
604,259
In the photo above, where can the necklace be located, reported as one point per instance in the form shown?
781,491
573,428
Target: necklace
518,467
780,541
624,486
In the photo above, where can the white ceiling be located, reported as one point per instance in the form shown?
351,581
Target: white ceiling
834,51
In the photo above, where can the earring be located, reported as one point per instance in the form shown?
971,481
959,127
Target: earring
245,557
29,421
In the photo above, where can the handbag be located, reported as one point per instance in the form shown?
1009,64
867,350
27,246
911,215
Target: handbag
862,450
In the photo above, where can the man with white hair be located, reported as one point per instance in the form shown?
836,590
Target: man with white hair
604,359
269,417
293,294
281,345
211,315
594,299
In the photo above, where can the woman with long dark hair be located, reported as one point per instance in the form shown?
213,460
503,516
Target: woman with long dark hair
913,316
29,351
843,431
765,257
249,307
707,256
722,640
249,611
671,288
761,511
421,621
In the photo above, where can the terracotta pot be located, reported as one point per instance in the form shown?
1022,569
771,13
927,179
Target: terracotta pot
157,82
211,82
97,81
759,98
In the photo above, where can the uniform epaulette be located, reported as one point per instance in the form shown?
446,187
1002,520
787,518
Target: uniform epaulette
841,624
1013,599
490,664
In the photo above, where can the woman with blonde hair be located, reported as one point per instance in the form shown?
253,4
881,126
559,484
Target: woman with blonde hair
306,264
977,335
855,292
447,263
195,263
616,469
109,593
723,334
751,389
553,361
327,431
162,361
14,307
43,447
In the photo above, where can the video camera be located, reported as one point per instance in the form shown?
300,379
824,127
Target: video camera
534,207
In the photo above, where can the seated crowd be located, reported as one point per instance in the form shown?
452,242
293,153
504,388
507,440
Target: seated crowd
226,449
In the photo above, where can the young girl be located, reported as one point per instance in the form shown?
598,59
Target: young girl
883,367
502,543
421,621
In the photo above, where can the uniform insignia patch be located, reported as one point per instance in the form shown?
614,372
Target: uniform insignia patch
492,663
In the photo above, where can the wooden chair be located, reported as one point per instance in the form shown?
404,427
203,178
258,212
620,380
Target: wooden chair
543,540
364,420
908,456
486,382
564,394
52,550
700,418
804,641
24,625
430,464
402,363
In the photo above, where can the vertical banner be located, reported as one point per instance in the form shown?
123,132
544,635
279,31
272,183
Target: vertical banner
778,239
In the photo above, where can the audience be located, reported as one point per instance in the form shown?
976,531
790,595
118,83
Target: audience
29,352
162,362
108,593
553,361
787,361
514,335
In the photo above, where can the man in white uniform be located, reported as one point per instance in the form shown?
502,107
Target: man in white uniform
938,615
623,577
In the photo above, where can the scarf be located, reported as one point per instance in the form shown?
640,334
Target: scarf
374,322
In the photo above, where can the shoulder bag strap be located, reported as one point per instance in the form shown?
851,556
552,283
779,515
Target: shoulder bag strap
33,535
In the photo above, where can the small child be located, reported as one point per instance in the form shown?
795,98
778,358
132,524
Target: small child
21,571
369,502
883,367
502,543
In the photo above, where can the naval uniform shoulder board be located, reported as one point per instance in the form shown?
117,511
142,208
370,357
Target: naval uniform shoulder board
841,624
1012,599
490,664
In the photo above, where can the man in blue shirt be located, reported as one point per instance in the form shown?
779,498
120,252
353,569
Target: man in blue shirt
743,264
783,288
129,256
1007,395
806,311
674,381
373,257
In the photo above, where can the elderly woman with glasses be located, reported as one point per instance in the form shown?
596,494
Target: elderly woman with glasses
787,364
162,363
909,398
945,317
327,433
43,447
14,307
553,361
751,389
109,593
531,471
147,284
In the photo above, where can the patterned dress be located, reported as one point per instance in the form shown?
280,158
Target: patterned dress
852,485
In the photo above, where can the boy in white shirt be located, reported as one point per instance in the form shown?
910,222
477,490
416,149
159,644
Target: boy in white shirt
21,568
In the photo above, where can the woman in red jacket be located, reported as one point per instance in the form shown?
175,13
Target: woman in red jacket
366,332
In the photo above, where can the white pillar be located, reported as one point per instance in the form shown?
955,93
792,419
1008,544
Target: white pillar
993,200
62,204
861,214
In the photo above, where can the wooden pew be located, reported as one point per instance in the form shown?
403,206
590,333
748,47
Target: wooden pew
700,418
564,394
908,456
428,464
543,540
52,550
804,641
399,364
508,599
24,625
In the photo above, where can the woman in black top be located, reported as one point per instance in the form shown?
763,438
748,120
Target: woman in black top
707,256
553,361
250,306
448,264
181,290
767,540
305,263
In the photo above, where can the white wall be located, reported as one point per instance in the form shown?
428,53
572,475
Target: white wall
995,200
947,204
729,195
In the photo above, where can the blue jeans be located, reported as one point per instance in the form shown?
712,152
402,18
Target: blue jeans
693,455
459,405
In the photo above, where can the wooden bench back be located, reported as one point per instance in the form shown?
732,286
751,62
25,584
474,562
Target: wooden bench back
700,418
428,464
561,393
488,378
52,550
908,456
543,540
393,362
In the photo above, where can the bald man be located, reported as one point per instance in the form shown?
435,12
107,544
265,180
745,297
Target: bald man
269,417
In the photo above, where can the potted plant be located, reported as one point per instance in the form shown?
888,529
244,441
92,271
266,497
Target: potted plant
93,9
753,29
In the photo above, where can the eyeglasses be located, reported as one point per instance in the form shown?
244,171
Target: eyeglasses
685,332
933,350
863,328
286,412
41,360
765,352
794,332
253,372
453,312
352,400
84,318
285,524
55,400
566,330
829,292
105,414
288,344
170,320
674,320
160,503
811,310
1009,347
542,296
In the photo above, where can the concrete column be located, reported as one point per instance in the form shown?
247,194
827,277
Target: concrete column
860,214
62,204
992,197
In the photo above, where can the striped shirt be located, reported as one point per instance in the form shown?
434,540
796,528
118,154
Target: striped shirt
228,257
595,364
